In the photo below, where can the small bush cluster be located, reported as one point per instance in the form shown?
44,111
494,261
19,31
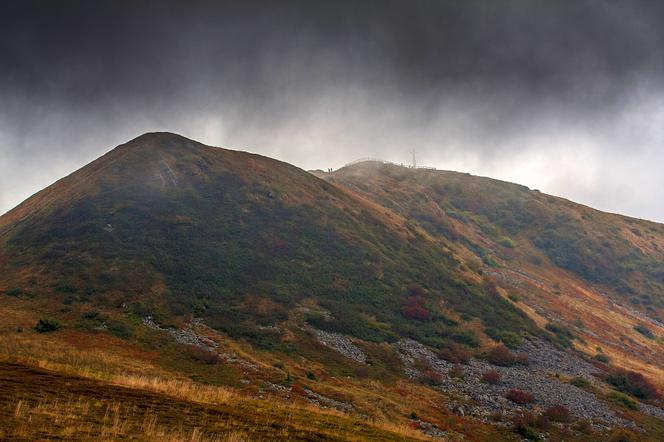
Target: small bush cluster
645,331
430,377
558,413
526,425
633,383
455,354
491,377
45,325
622,400
502,356
519,396
563,335
580,382
414,308
601,357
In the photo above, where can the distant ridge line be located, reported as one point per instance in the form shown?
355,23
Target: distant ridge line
380,160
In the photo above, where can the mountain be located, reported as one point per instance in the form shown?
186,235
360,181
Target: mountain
170,227
354,289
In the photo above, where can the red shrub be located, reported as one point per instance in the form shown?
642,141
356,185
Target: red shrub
491,377
455,354
415,309
502,356
431,377
558,413
519,397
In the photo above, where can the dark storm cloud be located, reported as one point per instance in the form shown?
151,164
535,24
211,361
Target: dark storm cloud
564,96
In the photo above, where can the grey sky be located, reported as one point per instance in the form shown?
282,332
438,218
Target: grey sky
566,97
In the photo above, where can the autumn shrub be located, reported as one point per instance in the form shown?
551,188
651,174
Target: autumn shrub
502,356
455,354
414,308
492,377
519,396
558,413
430,377
633,383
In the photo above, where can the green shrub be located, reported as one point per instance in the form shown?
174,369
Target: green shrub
121,330
580,382
45,325
506,241
645,331
604,359
509,338
528,432
633,383
563,335
622,400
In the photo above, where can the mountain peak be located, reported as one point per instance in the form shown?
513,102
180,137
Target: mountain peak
160,141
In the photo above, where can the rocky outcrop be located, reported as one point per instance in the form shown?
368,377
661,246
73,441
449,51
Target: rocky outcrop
539,378
341,344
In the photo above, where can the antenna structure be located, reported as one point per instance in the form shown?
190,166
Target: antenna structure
414,159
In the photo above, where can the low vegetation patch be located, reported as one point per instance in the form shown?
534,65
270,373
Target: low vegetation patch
622,400
558,413
561,334
580,382
502,356
455,354
46,325
633,383
519,396
645,331
491,377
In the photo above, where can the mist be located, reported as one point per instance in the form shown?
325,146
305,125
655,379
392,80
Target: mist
564,97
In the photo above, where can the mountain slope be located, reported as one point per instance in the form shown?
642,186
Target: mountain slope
622,255
597,273
171,227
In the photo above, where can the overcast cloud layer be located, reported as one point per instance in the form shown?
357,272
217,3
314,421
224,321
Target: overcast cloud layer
566,97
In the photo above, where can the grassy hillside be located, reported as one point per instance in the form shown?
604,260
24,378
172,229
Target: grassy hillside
624,256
